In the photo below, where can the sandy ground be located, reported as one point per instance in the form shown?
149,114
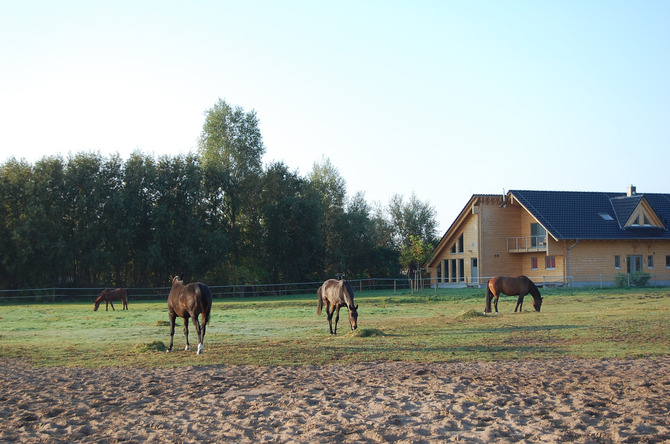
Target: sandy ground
527,401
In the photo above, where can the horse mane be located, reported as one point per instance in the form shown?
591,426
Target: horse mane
350,292
533,288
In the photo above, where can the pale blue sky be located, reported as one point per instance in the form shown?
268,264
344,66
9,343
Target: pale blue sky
442,98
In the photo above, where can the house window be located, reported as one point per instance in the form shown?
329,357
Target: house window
460,244
537,235
667,262
533,263
453,248
650,261
550,263
617,262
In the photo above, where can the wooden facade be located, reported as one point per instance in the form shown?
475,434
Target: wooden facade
497,235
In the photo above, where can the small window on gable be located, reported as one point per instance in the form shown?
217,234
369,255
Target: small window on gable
605,216
644,216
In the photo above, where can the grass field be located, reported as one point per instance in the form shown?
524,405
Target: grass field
429,327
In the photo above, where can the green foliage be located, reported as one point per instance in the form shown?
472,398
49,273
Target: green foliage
414,218
217,216
414,253
636,279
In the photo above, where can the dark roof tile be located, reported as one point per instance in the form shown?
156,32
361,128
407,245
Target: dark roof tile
577,215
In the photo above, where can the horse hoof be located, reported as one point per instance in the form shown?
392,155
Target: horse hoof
200,349
187,348
168,351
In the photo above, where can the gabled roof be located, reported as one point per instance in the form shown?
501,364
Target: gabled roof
596,215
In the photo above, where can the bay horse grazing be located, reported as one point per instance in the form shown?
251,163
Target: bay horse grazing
189,301
112,295
512,286
337,294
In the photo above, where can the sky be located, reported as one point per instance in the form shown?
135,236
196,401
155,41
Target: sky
443,99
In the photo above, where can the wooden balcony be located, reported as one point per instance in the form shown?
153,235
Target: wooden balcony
526,244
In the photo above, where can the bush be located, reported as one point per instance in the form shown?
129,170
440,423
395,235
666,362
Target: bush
621,280
637,279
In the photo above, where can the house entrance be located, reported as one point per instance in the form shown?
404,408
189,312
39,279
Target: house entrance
634,263
474,270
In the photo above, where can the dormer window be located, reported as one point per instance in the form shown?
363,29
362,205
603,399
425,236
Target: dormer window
643,216
605,216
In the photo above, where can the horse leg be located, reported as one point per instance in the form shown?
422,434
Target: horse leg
106,305
112,304
186,334
519,303
198,329
495,301
172,319
337,318
329,313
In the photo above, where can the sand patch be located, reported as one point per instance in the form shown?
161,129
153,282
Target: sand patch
526,401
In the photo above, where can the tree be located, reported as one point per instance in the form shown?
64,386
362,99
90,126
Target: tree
415,218
15,247
231,149
290,221
414,254
326,181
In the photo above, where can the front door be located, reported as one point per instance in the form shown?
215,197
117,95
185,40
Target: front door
475,270
634,264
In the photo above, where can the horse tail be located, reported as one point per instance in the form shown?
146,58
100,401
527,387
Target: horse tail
489,296
320,306
199,297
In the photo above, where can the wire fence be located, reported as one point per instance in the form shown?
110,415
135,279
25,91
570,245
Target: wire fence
218,291
387,284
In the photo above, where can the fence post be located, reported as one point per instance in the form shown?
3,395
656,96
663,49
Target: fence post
394,286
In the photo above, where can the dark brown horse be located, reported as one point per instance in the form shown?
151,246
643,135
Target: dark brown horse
189,301
512,286
112,295
337,294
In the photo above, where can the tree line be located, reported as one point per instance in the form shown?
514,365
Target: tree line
218,215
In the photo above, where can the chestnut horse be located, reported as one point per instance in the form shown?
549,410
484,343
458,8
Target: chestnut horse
189,301
112,295
337,294
512,286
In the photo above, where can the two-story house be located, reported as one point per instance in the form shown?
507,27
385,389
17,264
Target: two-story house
580,238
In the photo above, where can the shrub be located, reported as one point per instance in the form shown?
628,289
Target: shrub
621,280
637,279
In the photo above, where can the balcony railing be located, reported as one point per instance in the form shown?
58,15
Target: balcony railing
526,244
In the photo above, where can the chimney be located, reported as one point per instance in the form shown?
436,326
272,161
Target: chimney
631,191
